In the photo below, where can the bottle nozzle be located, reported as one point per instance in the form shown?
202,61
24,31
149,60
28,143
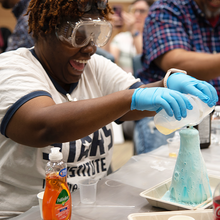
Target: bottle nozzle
55,154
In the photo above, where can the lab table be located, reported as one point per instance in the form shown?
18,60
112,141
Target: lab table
118,193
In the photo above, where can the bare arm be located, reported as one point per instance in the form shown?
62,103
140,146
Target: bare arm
130,22
202,66
40,122
138,43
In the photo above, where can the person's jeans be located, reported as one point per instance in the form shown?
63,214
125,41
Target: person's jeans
146,137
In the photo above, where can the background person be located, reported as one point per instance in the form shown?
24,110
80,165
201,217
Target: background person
126,45
60,93
183,34
20,36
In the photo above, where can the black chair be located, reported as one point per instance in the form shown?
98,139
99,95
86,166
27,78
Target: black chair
137,65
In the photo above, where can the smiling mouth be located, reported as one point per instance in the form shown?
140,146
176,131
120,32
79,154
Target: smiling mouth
78,64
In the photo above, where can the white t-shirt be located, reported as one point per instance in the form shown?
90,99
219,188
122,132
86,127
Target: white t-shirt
22,168
124,42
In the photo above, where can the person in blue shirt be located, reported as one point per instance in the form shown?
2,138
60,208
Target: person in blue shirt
181,34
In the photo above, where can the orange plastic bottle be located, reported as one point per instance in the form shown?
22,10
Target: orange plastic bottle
57,202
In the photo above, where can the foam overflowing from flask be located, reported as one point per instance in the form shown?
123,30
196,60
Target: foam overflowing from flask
190,182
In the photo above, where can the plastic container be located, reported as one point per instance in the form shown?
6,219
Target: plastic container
216,203
215,125
154,196
40,197
57,202
87,190
167,125
181,217
196,214
174,145
216,118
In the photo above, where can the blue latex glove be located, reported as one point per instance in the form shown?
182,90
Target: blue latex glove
190,85
156,99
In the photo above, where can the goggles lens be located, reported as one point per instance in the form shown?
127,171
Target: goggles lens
79,34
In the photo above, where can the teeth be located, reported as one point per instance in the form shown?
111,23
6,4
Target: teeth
81,61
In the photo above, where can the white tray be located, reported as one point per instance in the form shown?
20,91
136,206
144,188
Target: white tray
197,215
154,195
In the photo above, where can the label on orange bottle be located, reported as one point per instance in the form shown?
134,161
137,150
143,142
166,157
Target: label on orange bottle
62,206
63,172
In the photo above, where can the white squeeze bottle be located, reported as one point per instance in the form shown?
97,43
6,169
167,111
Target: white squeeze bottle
166,124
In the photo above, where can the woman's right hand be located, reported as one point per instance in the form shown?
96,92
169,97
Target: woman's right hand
157,98
129,21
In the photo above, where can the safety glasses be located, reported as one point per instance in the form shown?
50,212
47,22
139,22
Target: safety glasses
80,33
140,11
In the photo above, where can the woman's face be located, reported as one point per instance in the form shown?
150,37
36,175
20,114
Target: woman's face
140,10
61,60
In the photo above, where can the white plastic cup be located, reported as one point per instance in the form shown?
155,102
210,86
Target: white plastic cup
181,217
40,196
166,124
87,189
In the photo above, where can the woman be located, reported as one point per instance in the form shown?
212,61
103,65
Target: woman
128,44
60,93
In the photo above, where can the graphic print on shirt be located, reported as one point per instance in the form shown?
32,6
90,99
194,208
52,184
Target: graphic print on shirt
87,157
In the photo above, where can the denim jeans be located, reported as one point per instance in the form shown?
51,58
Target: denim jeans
147,137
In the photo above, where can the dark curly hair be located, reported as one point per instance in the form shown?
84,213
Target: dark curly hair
44,15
